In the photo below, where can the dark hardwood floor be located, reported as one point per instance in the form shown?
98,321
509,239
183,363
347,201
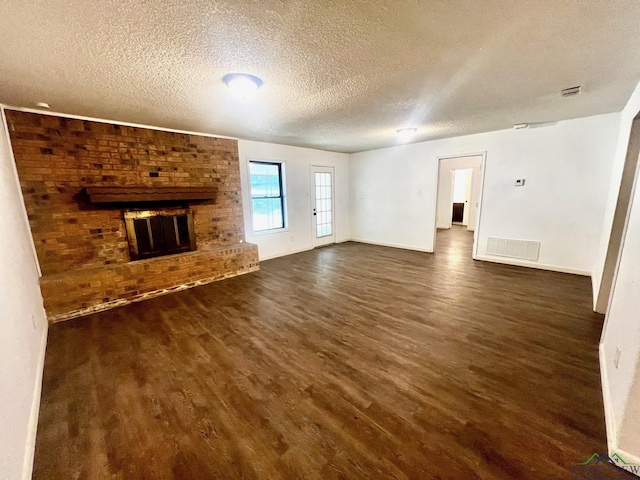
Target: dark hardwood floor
351,361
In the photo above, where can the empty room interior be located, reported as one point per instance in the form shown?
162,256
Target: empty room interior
295,239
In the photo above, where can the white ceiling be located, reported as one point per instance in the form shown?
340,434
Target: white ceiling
339,75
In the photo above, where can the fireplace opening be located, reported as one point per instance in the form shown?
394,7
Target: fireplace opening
154,233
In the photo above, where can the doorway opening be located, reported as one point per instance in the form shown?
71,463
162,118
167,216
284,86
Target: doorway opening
458,200
462,180
323,205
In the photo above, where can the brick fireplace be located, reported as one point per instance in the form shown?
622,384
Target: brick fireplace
81,180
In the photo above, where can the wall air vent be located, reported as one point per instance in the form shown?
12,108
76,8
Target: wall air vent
570,92
506,247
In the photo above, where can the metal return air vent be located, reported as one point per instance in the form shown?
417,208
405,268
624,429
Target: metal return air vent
506,247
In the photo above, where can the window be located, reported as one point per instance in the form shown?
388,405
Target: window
267,195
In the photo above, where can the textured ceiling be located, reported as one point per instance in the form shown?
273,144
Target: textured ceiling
339,75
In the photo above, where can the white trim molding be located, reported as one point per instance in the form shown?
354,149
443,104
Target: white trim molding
526,264
393,245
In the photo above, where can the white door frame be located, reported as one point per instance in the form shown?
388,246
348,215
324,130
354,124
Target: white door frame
312,201
476,231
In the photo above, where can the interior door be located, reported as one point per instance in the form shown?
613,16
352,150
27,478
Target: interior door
323,194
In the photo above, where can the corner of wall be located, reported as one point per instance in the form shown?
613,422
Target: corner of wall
610,423
620,342
23,324
595,288
625,120
32,428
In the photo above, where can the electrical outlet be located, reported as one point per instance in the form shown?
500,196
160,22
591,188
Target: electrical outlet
616,358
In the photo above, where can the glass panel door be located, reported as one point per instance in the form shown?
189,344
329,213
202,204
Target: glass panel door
323,197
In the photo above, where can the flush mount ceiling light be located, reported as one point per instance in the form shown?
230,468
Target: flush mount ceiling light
42,105
520,126
406,134
242,85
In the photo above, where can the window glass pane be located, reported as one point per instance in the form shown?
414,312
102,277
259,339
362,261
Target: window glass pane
265,179
267,214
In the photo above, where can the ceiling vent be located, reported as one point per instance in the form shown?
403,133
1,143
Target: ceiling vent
570,92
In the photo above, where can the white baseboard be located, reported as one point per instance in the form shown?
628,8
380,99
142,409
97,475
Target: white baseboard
612,434
540,266
393,245
284,254
30,447
629,458
344,240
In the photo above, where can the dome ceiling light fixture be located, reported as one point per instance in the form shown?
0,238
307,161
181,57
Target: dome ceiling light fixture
406,134
242,85
42,105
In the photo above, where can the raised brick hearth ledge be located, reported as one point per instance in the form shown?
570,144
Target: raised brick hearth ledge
105,287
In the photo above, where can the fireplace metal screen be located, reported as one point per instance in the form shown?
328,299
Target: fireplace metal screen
153,233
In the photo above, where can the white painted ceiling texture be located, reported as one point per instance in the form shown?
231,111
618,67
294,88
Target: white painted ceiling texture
339,75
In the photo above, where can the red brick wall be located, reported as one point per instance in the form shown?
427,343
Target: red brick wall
58,157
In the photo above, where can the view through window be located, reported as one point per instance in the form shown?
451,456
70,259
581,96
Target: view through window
267,195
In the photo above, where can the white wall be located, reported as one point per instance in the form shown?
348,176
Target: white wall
567,167
626,119
623,329
23,326
622,323
298,236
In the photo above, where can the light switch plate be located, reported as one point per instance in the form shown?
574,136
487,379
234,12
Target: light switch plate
519,182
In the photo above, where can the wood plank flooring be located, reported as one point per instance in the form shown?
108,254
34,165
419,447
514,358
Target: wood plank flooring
351,361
